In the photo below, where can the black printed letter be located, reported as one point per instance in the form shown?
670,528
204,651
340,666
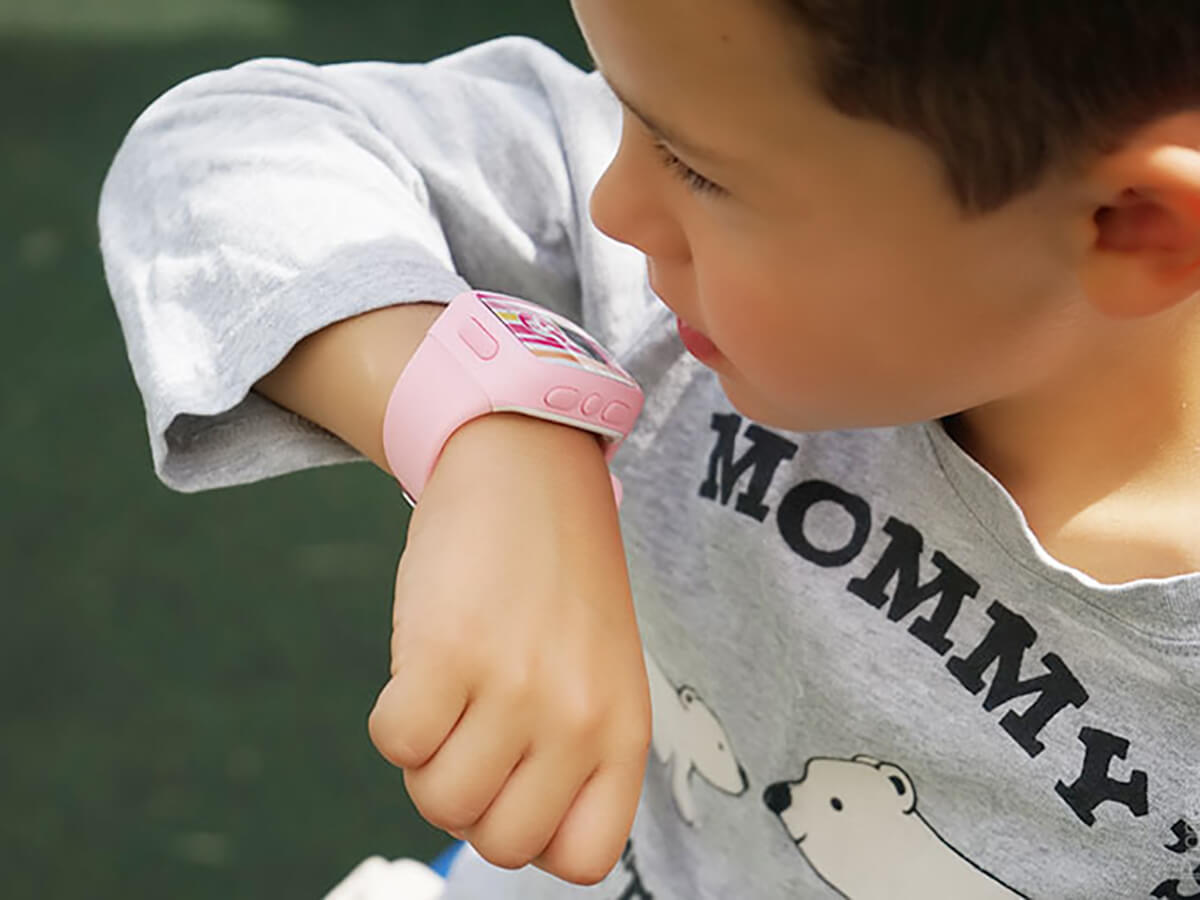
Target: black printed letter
901,562
1169,890
635,890
803,497
767,452
1186,838
1094,786
1005,644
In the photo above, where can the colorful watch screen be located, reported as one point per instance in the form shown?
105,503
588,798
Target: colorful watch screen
553,338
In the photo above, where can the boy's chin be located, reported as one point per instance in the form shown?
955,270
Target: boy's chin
808,418
760,409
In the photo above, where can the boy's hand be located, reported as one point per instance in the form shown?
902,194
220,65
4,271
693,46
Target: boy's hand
518,704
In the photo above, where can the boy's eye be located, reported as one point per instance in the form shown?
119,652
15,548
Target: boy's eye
690,176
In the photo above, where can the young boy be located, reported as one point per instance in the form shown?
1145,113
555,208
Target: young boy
912,530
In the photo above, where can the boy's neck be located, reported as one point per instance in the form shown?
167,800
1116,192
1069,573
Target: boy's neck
1104,460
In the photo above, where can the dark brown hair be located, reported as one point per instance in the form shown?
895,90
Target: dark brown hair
1006,91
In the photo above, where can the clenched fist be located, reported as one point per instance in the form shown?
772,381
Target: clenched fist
518,705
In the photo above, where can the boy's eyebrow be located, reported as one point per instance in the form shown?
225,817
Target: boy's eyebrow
662,131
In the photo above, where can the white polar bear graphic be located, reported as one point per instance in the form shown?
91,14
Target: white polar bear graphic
688,736
856,822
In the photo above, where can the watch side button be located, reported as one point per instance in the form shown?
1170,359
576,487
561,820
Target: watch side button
617,413
477,338
562,398
592,404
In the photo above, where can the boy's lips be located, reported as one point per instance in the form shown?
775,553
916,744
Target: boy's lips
697,343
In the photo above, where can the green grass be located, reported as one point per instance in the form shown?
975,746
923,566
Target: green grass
184,681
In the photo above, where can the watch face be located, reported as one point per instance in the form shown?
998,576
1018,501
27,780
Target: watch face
553,338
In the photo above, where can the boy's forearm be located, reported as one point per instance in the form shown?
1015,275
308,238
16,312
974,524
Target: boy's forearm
342,376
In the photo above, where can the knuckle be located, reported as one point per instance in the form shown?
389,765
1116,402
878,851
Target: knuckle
399,748
585,868
450,811
636,740
515,847
505,854
429,647
516,683
636,734
580,713
513,837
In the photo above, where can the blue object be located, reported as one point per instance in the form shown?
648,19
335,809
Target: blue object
445,859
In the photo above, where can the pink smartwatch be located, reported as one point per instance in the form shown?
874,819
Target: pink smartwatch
492,353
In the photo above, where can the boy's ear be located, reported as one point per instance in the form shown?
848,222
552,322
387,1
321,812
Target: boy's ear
1144,255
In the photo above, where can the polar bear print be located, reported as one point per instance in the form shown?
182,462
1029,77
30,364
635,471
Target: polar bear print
856,823
688,737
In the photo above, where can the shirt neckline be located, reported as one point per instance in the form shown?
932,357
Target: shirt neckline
1165,609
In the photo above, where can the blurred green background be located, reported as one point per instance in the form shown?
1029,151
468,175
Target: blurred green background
184,681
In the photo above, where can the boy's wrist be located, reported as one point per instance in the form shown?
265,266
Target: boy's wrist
537,442
489,353
518,428
499,451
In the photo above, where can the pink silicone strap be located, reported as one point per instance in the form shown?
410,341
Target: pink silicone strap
469,364
422,419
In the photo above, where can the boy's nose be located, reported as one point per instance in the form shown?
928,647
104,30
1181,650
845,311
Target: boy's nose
626,207
616,210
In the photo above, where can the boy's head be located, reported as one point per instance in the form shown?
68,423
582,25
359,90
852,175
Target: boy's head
885,211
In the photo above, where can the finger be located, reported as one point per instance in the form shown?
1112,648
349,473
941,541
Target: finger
592,836
523,819
454,789
415,712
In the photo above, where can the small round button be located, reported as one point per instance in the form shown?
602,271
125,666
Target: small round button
562,398
592,404
617,413
477,338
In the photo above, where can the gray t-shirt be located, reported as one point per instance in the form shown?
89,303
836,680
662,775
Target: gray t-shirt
868,678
